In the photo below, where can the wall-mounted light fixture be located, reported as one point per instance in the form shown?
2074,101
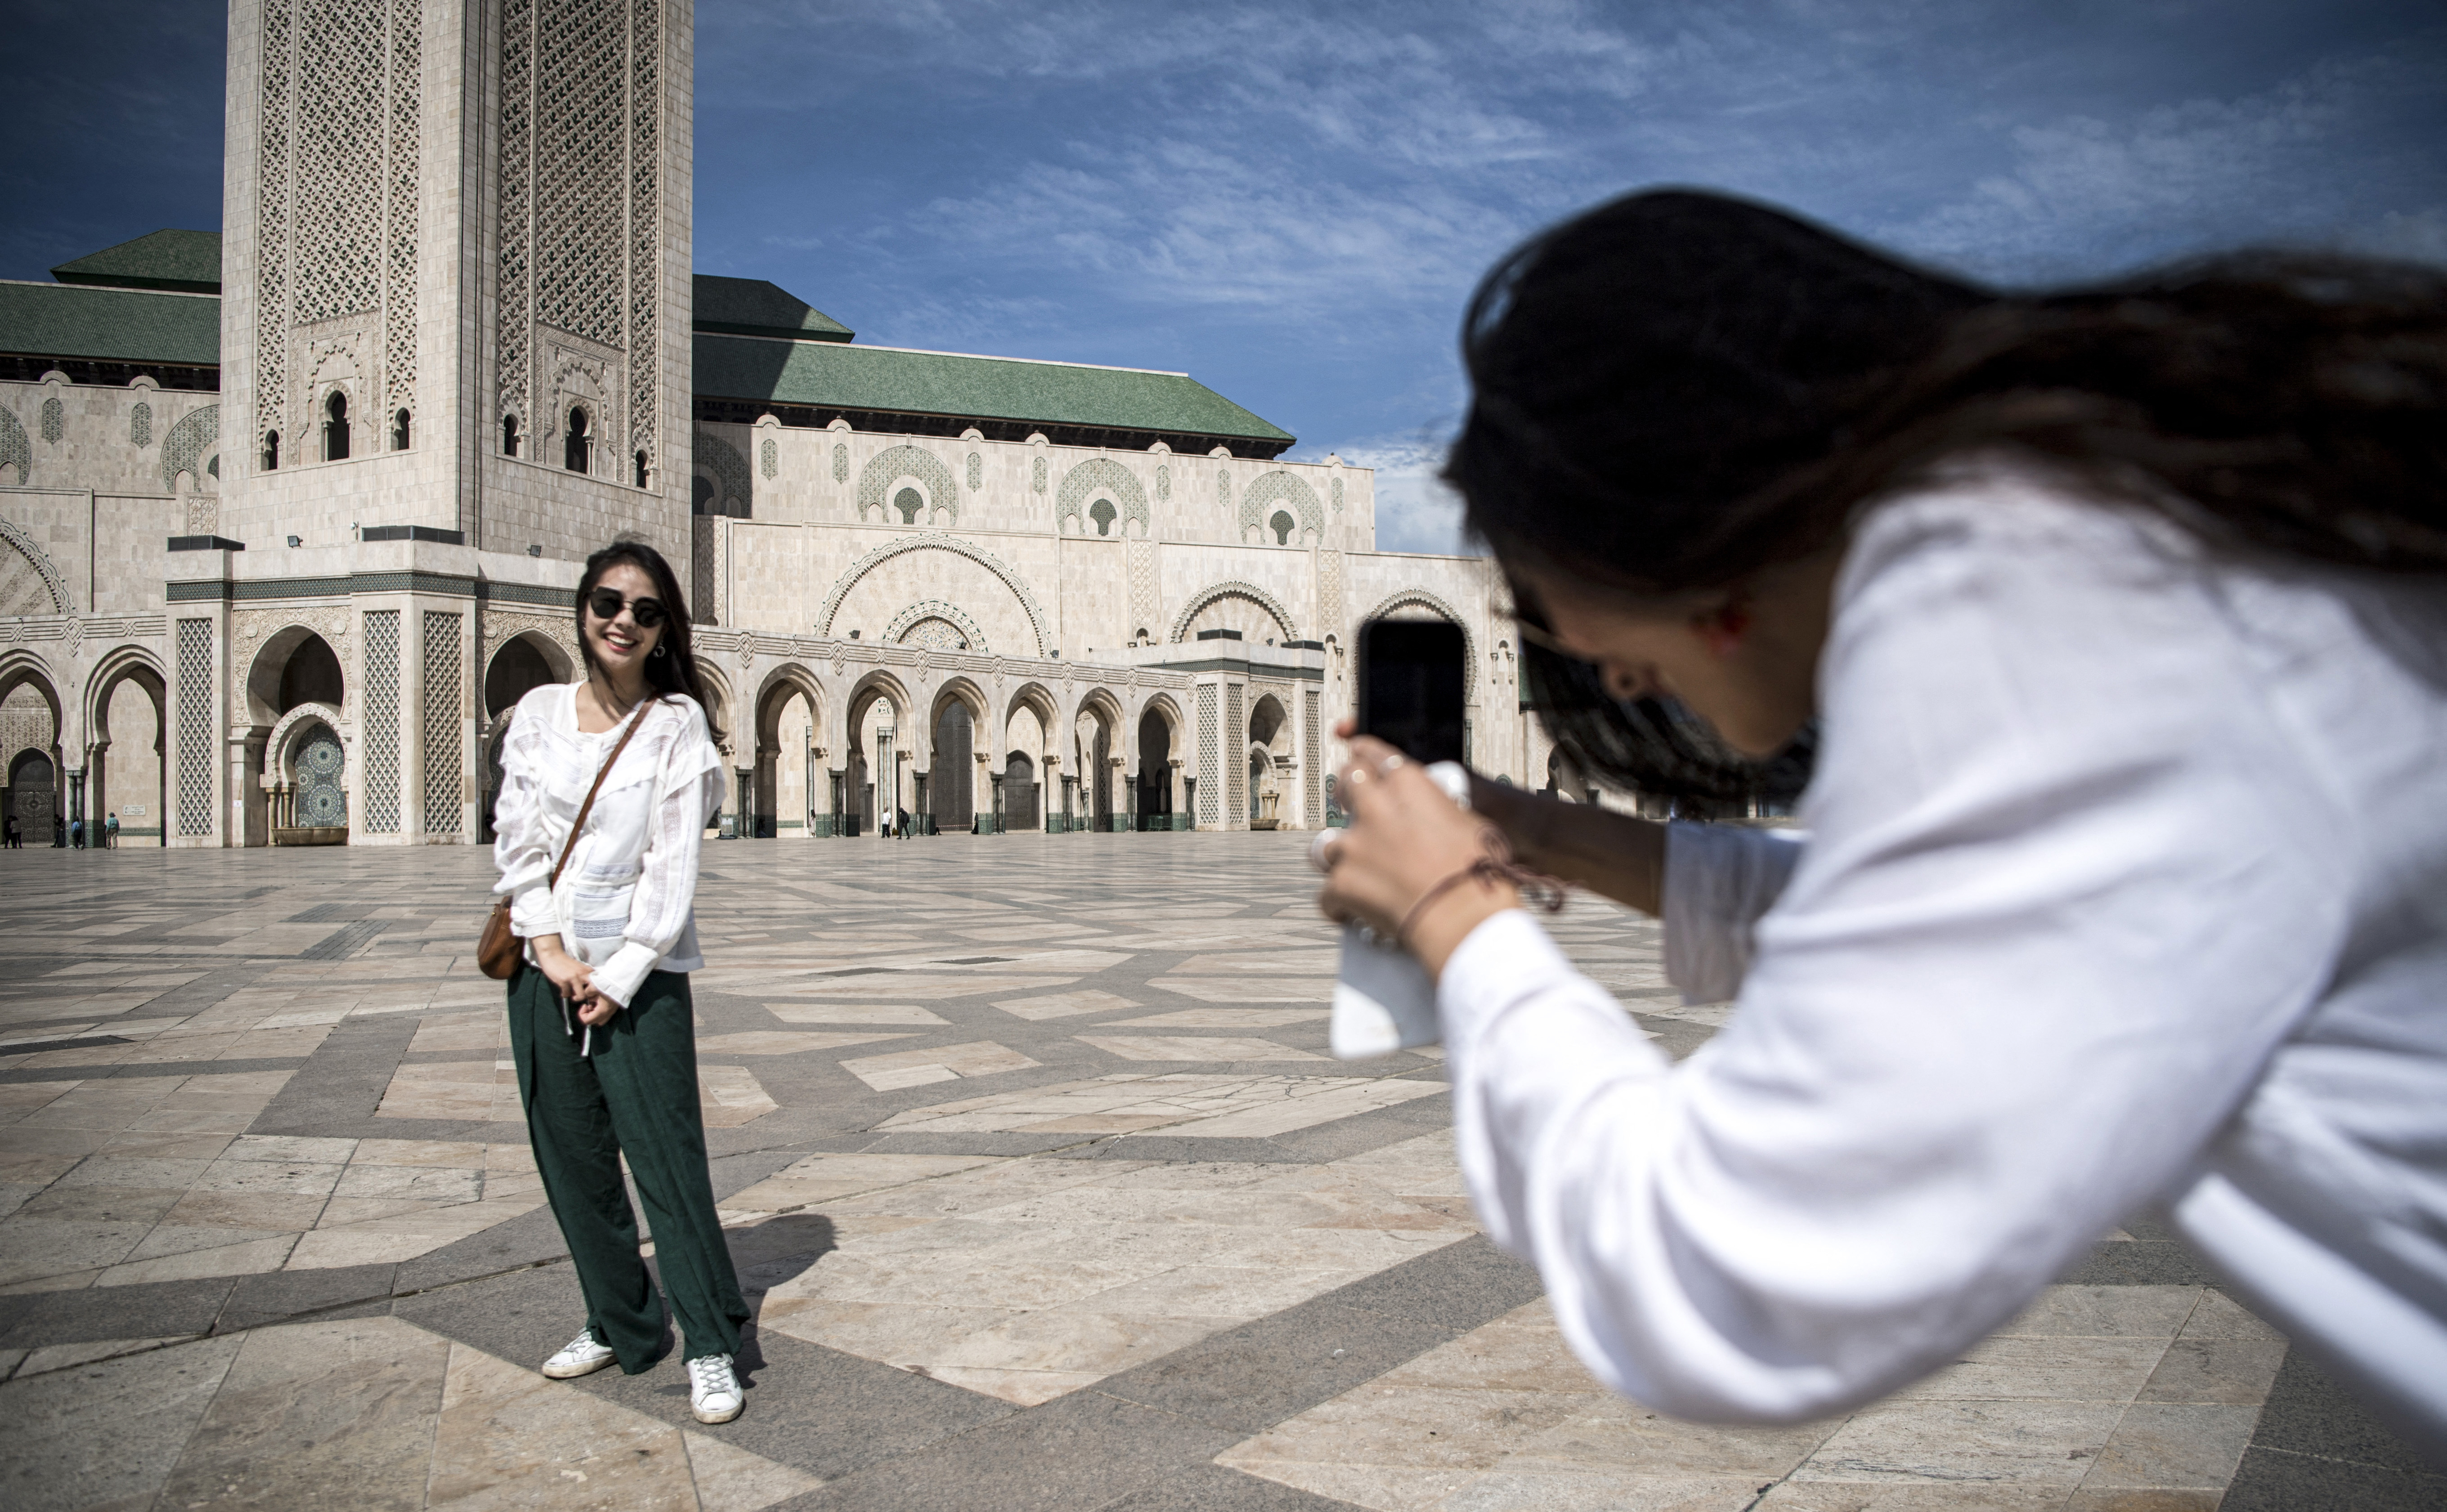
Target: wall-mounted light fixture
535,551
295,541
853,634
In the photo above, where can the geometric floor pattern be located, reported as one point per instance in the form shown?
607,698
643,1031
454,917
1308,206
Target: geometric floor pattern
1040,1178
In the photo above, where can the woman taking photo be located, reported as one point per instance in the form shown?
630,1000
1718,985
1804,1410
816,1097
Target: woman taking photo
2113,623
601,1027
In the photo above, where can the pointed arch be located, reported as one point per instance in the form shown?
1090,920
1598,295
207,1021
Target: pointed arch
1100,475
54,583
893,463
1233,590
935,540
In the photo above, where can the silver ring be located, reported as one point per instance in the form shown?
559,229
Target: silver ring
1320,850
1390,763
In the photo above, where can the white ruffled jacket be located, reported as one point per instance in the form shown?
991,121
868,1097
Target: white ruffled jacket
626,902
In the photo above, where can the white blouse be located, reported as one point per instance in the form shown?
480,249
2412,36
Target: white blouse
625,905
2126,881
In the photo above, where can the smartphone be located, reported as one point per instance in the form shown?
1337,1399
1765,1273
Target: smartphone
1410,676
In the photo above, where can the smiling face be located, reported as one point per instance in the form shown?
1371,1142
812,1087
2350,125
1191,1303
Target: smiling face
1745,660
620,646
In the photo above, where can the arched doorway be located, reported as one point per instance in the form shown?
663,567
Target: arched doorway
33,795
125,774
520,665
1155,771
1019,793
952,785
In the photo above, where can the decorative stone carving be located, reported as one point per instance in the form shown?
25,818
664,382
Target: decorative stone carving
937,625
16,450
38,587
934,541
1421,598
893,463
1099,476
195,436
1233,590
1281,487
729,469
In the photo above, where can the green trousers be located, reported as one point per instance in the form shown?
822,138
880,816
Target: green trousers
637,1096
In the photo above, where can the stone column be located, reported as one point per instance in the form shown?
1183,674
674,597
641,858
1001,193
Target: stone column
76,807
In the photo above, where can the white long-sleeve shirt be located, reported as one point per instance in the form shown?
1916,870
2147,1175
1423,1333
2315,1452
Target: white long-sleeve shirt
2126,881
626,902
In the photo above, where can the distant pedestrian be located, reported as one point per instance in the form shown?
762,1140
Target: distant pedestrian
626,756
111,831
59,833
16,834
76,833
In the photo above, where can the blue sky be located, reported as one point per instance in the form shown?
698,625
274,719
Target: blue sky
1292,202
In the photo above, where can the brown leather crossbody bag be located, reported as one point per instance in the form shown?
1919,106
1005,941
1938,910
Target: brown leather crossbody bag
499,952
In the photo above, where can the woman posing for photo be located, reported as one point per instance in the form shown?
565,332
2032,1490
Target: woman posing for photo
601,1026
2118,620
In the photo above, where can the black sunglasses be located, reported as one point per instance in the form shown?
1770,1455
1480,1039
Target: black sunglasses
607,604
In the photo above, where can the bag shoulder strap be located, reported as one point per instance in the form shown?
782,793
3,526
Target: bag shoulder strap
583,810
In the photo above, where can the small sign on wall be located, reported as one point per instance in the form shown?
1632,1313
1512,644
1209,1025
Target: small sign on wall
133,810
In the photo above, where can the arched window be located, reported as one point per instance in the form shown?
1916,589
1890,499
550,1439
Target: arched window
911,503
399,431
700,495
1282,525
509,435
573,451
336,427
641,469
1102,513
271,451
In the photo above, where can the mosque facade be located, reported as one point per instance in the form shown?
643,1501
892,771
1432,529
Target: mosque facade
293,514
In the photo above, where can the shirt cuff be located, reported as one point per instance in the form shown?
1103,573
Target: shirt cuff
1507,958
532,912
619,978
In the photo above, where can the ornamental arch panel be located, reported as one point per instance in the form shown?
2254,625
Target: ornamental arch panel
1100,477
1417,603
1251,593
887,470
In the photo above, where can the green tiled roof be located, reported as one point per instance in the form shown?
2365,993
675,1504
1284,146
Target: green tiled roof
110,325
754,307
834,375
189,261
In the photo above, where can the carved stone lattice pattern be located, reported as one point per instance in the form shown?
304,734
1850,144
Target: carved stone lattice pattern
1164,483
1311,758
645,225
1236,770
30,582
1329,588
938,626
1036,476
1099,476
381,743
582,131
976,472
1285,488
1209,756
1233,590
400,221
1338,495
1146,611
934,541
769,458
840,462
139,425
16,450
193,437
338,190
271,222
441,719
730,470
1222,488
195,727
204,515
515,333
54,420
890,465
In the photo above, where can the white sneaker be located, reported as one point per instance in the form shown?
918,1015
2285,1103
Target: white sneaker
580,1356
714,1395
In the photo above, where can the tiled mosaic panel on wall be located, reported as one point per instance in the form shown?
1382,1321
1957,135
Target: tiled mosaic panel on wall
443,786
195,727
381,743
1209,801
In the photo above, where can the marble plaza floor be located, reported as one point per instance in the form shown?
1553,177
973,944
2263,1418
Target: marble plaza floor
1037,1173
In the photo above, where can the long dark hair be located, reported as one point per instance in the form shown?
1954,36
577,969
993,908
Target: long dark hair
1679,388
674,672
